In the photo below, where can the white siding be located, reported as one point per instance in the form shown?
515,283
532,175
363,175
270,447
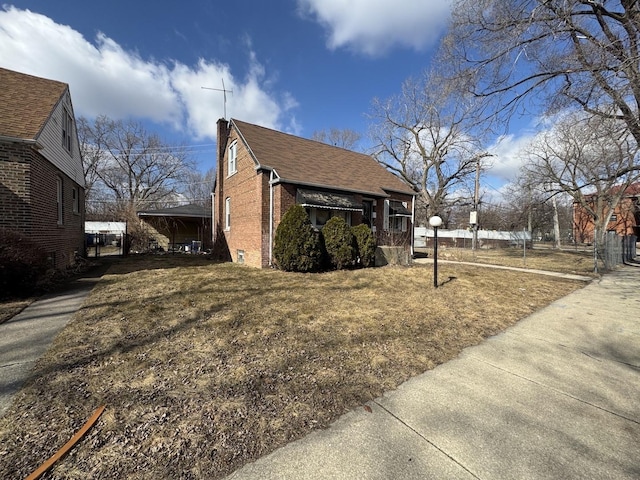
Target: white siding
51,140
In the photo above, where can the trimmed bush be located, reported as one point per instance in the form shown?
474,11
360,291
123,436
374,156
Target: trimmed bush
339,243
366,244
297,246
23,265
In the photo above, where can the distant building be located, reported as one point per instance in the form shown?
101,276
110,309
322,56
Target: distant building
625,219
185,228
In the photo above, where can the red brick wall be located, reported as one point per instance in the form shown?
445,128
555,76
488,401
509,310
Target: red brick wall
15,187
626,213
28,195
250,195
244,188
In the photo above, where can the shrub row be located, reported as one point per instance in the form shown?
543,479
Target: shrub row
299,247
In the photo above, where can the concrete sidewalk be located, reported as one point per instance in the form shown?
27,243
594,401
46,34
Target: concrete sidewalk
28,335
555,396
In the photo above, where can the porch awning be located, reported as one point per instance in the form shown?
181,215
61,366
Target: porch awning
396,209
333,201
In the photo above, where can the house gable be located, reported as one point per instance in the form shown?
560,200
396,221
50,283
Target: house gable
33,110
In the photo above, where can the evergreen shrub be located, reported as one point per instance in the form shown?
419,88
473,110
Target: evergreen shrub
365,243
297,246
23,265
339,243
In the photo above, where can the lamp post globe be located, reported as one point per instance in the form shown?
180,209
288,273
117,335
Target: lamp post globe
435,221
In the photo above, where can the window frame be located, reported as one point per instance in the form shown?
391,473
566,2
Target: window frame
67,128
232,158
393,223
59,201
75,191
312,212
227,213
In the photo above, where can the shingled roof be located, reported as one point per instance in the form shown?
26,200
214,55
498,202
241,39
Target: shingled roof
26,103
307,162
190,210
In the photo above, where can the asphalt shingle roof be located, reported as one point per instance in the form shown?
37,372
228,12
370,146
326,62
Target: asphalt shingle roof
26,103
190,210
308,162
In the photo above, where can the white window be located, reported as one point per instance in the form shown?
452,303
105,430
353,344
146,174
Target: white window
227,213
320,216
76,200
67,128
395,216
59,200
232,158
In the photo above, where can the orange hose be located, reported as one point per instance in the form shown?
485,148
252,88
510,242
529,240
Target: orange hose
67,446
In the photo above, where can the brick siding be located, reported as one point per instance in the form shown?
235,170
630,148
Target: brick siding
250,195
28,199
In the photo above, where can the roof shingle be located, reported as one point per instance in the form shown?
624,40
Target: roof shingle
308,162
26,103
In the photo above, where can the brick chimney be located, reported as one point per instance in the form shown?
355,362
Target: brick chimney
222,136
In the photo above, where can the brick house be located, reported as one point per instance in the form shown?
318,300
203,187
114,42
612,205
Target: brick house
41,175
625,218
263,172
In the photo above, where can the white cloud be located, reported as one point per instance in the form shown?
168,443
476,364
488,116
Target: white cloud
106,79
373,27
507,159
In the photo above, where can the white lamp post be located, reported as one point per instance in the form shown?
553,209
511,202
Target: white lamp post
435,222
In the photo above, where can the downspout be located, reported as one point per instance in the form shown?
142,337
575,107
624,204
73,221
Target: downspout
271,218
413,225
213,220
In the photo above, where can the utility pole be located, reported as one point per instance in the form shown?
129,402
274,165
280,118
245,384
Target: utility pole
476,199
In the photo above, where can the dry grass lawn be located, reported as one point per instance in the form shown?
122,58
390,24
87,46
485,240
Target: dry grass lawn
579,262
204,367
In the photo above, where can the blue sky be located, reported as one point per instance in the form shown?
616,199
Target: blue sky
293,65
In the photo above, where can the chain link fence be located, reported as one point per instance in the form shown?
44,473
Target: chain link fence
618,250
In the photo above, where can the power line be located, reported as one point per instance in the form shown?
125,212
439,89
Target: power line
171,148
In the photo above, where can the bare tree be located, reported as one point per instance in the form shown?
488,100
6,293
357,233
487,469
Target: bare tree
582,156
129,168
344,138
555,54
198,186
424,136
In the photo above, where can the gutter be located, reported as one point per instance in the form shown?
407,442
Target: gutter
25,141
333,187
272,181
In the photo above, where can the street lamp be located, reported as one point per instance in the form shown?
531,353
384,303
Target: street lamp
435,222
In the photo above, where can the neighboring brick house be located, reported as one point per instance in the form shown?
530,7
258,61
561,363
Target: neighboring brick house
625,219
263,172
41,175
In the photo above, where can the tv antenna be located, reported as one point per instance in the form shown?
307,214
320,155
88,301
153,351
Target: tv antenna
224,91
